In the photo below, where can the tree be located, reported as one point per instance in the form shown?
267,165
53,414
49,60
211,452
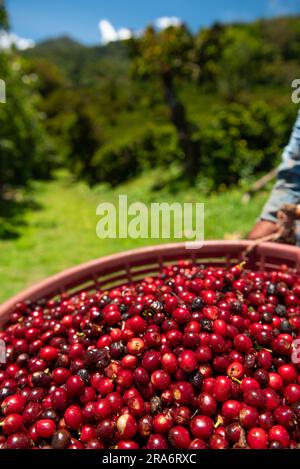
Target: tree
209,46
85,140
4,23
25,149
242,62
167,55
50,77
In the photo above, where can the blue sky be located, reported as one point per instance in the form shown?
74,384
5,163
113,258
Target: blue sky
38,19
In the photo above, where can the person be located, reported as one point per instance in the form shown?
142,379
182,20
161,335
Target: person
286,189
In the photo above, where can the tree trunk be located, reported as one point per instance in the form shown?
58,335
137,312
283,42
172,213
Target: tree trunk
183,126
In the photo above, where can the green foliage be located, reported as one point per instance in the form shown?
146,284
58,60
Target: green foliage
224,90
50,77
282,35
243,141
85,66
156,53
242,61
117,163
4,21
208,50
167,55
84,140
25,149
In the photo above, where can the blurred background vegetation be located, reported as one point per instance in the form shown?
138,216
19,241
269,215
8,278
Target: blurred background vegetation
170,115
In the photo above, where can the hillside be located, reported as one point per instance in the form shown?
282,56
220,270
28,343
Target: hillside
81,64
232,82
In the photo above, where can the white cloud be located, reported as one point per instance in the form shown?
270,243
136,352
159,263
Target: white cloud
167,21
9,40
110,34
107,31
124,33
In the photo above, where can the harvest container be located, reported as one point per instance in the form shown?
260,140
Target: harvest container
131,266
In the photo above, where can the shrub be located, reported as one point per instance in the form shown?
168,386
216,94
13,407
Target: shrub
242,142
25,149
116,163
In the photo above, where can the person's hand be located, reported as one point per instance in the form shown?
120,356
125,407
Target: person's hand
262,229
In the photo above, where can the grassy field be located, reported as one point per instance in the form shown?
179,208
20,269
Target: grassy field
55,225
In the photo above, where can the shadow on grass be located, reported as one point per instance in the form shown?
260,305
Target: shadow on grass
12,215
173,184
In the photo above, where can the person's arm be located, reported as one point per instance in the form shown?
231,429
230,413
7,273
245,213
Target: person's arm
287,187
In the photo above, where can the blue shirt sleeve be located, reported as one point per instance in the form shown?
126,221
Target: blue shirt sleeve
287,187
292,150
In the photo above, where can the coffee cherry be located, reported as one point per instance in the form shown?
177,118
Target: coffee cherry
233,432
284,416
198,357
207,404
162,423
74,386
243,343
266,420
254,398
160,379
248,416
279,434
202,427
60,375
257,438
182,392
218,442
19,440
13,404
231,410
197,443
136,346
181,415
127,444
60,439
73,417
292,393
179,437
45,428
187,361
49,354
288,373
12,423
102,409
235,370
156,441
127,426
105,430
222,388
169,363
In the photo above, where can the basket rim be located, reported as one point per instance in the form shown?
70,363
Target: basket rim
127,258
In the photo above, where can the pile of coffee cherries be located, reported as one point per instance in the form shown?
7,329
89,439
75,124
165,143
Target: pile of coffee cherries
197,357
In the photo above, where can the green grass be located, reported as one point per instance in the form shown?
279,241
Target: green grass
58,228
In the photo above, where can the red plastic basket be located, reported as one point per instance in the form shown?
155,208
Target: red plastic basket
130,266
